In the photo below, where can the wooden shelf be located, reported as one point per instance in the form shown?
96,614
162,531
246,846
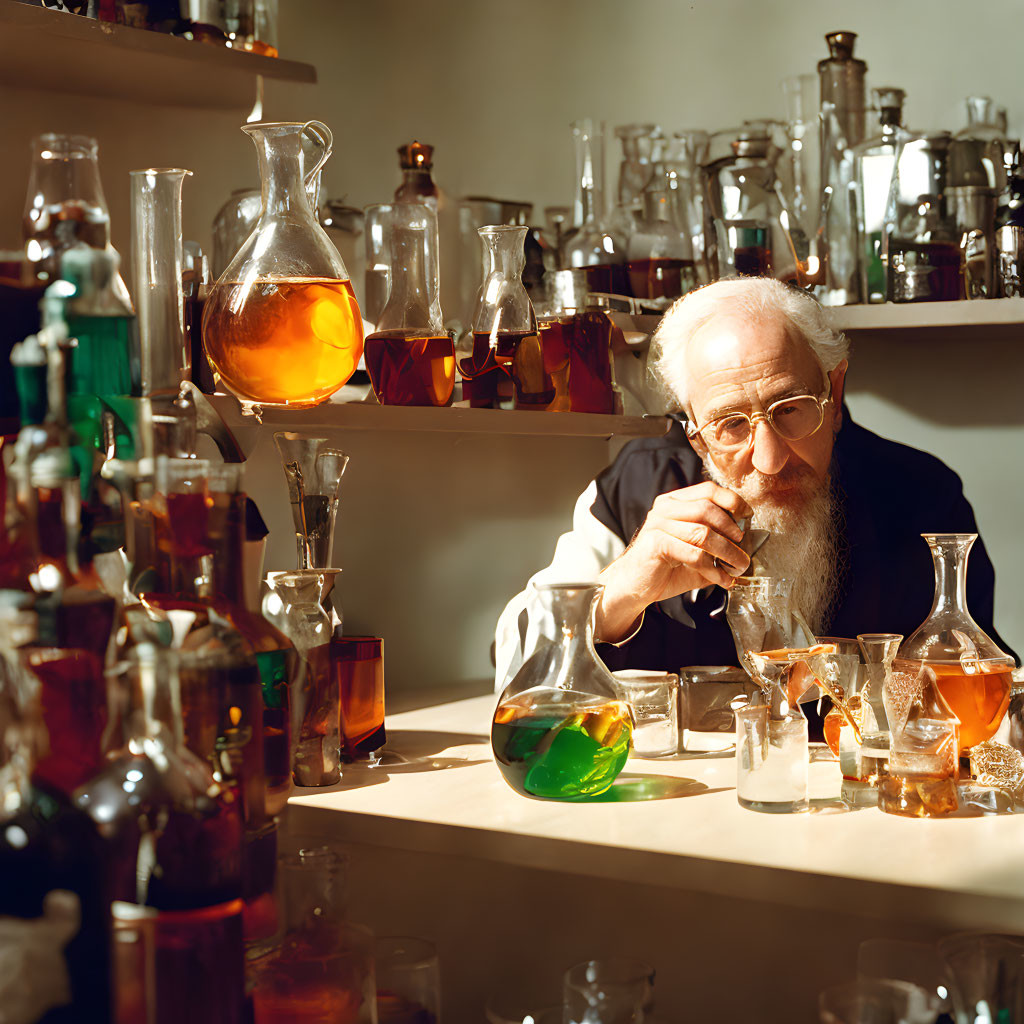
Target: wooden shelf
366,416
43,49
989,319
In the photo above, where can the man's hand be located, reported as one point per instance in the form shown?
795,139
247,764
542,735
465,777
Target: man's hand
673,552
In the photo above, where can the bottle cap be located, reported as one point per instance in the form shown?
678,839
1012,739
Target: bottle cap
416,156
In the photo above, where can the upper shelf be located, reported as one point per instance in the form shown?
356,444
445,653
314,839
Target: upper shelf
986,318
44,49
366,416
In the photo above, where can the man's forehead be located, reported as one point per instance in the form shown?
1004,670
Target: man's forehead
732,350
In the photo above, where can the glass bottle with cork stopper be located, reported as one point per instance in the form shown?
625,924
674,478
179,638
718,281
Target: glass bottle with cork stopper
416,159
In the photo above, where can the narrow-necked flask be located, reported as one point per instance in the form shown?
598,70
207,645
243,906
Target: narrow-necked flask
410,356
282,326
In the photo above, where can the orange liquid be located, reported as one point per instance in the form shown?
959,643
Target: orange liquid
287,341
979,700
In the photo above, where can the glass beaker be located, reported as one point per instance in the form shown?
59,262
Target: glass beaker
973,675
282,325
157,269
410,356
313,470
920,244
592,245
560,729
617,990
293,604
503,318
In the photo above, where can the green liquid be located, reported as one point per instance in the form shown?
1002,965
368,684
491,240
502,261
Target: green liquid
559,752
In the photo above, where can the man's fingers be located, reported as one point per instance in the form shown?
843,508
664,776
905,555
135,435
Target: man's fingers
702,536
701,510
721,496
696,559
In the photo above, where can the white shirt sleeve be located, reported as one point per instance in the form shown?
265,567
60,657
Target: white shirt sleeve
580,555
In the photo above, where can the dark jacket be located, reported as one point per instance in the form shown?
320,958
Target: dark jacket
890,495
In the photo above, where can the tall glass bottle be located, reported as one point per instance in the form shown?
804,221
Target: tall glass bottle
159,299
281,325
971,673
502,321
680,163
592,246
410,357
176,870
416,160
560,730
873,162
54,904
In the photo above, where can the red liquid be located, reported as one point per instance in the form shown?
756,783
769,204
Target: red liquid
590,364
534,387
752,261
608,277
73,694
409,367
484,381
661,278
554,339
359,668
185,531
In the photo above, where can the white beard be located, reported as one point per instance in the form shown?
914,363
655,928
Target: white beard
806,537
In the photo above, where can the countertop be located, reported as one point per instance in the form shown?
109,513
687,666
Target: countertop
676,823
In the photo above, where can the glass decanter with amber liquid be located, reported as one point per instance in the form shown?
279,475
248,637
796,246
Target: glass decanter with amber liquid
281,325
504,320
972,674
560,729
410,356
176,871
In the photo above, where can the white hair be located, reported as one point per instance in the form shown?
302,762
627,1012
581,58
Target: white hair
756,298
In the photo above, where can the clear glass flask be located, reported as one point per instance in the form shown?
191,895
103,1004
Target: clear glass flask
661,266
157,277
281,325
560,729
410,356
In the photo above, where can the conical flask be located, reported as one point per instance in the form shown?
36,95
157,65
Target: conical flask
972,673
281,325
410,356
560,729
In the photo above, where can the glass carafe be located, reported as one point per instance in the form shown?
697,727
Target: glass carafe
971,672
681,160
281,325
921,244
410,356
503,320
313,470
560,729
661,266
293,604
592,245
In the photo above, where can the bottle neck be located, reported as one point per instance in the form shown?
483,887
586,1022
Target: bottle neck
949,557
282,186
408,304
151,695
416,181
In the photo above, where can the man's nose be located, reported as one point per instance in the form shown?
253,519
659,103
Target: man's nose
770,452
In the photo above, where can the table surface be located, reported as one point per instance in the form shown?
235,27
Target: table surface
672,822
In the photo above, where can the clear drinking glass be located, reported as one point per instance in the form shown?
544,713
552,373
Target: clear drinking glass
617,990
872,1002
654,698
156,275
408,980
771,760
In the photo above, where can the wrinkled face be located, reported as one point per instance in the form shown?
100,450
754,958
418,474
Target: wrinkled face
740,366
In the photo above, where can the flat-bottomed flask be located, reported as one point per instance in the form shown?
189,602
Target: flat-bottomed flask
282,326
560,729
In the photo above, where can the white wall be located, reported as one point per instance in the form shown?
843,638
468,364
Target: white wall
493,87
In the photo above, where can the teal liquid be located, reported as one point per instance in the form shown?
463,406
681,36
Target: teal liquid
559,751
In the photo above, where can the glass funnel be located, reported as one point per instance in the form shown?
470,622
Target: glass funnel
971,672
281,325
560,730
157,260
314,471
503,317
761,618
410,356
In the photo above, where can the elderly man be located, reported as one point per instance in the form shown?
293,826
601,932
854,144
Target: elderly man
758,374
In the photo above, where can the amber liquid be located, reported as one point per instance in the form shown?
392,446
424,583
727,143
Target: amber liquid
408,367
554,339
294,341
73,695
485,379
361,692
978,699
611,278
661,278
590,364
752,261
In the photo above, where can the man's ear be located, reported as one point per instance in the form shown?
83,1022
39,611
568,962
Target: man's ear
838,379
